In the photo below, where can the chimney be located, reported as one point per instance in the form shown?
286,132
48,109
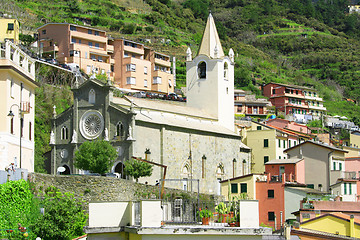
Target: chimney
352,227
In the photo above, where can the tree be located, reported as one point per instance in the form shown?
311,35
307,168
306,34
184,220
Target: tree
95,156
136,169
64,217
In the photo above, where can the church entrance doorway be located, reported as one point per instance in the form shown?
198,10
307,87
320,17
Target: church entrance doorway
119,168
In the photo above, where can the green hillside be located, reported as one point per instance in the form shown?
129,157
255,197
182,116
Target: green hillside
303,42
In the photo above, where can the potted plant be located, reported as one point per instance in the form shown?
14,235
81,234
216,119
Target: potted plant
223,211
205,215
231,222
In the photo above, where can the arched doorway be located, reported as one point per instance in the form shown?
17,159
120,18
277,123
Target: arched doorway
119,168
67,170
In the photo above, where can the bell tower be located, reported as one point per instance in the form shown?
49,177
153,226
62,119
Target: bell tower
210,78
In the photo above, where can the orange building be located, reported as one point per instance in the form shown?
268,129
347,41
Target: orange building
129,64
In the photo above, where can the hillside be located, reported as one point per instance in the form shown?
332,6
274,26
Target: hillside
303,42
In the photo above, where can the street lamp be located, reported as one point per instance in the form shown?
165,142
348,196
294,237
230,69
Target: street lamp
21,116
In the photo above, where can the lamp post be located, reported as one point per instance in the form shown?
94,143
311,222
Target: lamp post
21,116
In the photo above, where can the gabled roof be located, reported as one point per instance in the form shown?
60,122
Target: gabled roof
319,234
210,40
338,215
318,144
284,161
244,176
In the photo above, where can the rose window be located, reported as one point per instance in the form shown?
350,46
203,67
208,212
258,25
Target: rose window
91,124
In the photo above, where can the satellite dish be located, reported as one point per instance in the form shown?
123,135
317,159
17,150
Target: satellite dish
61,169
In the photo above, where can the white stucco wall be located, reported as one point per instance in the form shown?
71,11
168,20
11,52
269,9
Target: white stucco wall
109,214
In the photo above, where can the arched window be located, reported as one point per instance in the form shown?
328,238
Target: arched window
120,130
64,133
202,70
226,69
92,96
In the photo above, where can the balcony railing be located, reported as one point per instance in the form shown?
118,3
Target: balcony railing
19,58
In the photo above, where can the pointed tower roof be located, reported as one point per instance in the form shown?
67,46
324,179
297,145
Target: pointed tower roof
210,43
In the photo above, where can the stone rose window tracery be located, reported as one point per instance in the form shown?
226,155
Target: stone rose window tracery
91,124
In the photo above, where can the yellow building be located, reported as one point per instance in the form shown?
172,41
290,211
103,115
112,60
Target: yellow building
241,185
9,30
335,223
17,94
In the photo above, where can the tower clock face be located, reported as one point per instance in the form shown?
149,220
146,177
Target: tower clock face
91,124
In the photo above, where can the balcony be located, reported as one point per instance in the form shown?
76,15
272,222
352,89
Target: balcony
321,108
313,98
130,49
12,55
50,49
110,48
90,37
162,62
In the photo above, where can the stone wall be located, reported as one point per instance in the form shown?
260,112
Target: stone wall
99,189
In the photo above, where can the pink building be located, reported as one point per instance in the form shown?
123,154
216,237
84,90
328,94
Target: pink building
290,125
291,99
294,169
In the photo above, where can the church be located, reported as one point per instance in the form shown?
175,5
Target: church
195,140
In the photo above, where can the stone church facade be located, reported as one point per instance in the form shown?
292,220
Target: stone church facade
195,140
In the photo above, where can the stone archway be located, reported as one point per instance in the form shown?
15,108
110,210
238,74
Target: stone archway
67,170
119,168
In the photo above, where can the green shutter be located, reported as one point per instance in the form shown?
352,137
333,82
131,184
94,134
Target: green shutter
243,187
234,188
350,189
345,190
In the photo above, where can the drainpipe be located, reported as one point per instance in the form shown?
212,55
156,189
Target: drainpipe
329,169
352,226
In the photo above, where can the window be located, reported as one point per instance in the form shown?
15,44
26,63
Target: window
340,166
130,80
131,67
350,189
30,131
10,26
334,165
226,68
266,159
157,80
145,70
271,193
72,28
234,188
90,44
96,33
126,54
258,128
266,142
89,31
156,68
289,144
92,96
279,142
73,40
97,45
202,70
145,83
43,31
100,60
345,189
271,216
170,84
273,91
284,143
64,133
120,129
296,92
243,187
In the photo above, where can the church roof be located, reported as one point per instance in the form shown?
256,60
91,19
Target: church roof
210,40
173,114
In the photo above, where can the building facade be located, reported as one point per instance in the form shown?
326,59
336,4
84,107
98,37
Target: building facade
9,30
304,102
130,65
249,105
17,80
